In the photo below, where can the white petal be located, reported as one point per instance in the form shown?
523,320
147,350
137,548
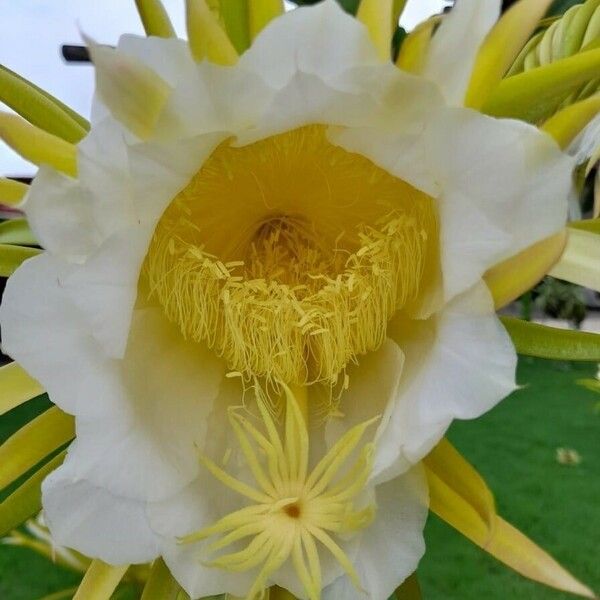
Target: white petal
502,185
389,550
321,40
60,215
458,366
149,448
49,337
513,174
373,387
455,45
95,522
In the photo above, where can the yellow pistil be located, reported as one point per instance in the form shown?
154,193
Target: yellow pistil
289,256
292,510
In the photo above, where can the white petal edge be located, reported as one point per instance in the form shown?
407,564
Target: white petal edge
459,364
95,522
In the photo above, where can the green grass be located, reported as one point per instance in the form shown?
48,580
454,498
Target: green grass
513,447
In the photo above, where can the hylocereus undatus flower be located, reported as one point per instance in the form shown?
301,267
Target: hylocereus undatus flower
261,297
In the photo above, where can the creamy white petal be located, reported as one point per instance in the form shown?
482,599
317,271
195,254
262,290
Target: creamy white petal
390,549
455,45
459,365
515,175
60,215
95,522
502,185
149,450
52,341
321,40
373,387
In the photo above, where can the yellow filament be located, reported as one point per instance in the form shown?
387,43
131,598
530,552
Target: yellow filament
300,510
289,256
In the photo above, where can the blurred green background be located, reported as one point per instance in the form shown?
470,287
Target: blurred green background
514,448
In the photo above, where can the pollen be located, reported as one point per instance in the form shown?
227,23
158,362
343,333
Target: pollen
291,513
289,256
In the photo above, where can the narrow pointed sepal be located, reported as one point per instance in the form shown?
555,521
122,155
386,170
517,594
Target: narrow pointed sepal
516,275
12,257
16,387
376,15
40,108
33,443
262,12
12,192
155,18
501,48
161,585
36,145
568,123
26,501
459,496
100,581
580,262
208,40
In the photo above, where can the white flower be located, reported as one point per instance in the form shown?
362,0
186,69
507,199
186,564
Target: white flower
310,217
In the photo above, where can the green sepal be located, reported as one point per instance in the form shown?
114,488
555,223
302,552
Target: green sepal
17,232
40,108
26,500
161,585
33,443
11,257
536,94
533,339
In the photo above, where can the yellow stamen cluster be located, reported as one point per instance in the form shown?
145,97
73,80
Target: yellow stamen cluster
292,510
288,257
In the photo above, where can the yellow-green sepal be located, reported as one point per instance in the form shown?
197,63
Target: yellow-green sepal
415,47
565,125
12,192
377,16
207,38
16,387
535,95
501,47
155,18
17,232
161,585
40,108
36,145
533,339
459,496
100,581
262,12
26,500
11,257
514,276
33,443
580,261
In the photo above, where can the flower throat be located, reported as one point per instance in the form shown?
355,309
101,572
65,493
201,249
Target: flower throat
289,256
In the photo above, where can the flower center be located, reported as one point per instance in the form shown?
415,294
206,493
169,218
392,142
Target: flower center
289,256
291,511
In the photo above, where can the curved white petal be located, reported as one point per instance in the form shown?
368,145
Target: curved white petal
501,185
390,549
455,45
322,41
149,449
52,341
459,365
95,522
373,386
